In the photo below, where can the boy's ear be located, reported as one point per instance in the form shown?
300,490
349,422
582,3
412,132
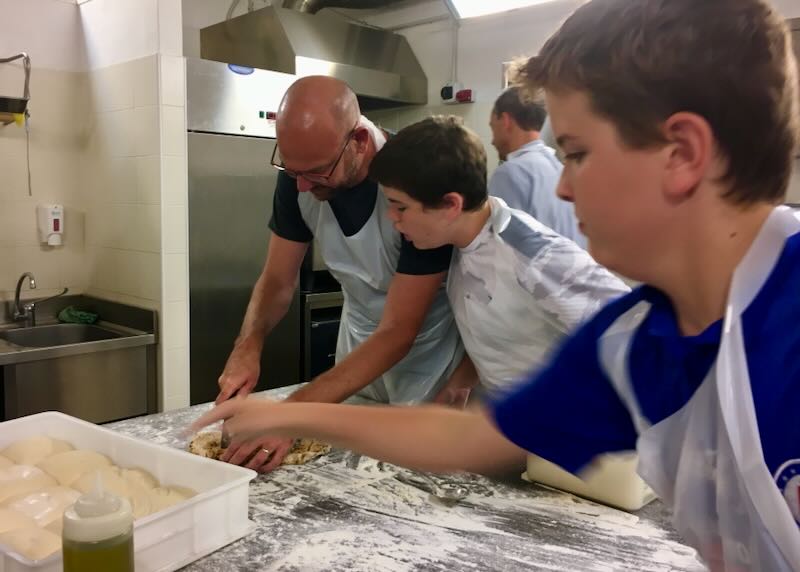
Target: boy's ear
453,203
690,144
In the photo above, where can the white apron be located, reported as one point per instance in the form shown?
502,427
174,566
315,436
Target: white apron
492,308
706,461
364,264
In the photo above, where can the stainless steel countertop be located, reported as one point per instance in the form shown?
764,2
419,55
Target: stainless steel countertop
345,512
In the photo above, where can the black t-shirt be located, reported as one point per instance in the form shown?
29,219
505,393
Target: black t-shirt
352,208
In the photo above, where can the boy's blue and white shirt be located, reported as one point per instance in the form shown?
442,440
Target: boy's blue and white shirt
517,289
569,412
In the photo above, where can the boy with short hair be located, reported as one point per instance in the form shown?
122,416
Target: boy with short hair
516,287
676,166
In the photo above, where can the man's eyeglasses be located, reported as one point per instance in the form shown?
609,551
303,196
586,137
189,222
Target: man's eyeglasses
313,177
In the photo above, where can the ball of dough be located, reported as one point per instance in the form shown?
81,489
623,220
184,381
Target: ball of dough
20,480
139,477
32,542
33,450
165,497
46,506
5,463
141,501
69,466
110,478
13,520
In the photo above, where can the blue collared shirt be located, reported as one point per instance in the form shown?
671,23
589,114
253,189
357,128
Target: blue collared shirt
527,181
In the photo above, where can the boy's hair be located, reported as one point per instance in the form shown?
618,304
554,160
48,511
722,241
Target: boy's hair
729,61
529,113
431,158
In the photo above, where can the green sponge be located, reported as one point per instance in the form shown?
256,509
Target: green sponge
72,315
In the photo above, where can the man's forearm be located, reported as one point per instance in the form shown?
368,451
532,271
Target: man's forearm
268,304
362,366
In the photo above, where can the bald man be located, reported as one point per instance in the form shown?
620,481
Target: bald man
398,341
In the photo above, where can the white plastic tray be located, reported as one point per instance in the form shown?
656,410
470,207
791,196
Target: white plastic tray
166,540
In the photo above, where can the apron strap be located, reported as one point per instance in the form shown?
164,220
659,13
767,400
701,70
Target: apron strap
614,354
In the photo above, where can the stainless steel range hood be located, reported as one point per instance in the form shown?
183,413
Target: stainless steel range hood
378,65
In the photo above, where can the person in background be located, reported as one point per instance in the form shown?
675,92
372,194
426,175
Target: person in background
698,367
398,342
516,287
528,176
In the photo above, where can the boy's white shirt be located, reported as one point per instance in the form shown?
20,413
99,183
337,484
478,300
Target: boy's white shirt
517,289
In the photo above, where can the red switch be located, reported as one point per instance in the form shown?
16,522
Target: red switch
464,96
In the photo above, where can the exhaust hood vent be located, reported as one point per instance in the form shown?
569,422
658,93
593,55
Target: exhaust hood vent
378,65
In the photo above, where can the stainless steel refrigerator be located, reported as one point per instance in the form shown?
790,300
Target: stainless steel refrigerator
230,119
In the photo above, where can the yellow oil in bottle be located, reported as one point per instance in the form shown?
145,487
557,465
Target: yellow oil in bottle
109,555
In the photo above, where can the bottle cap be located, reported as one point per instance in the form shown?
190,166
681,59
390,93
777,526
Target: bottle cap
97,515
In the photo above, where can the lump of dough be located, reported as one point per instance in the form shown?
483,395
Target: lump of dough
20,480
13,520
46,506
207,444
139,477
132,484
34,450
141,501
4,463
32,542
305,450
69,466
110,477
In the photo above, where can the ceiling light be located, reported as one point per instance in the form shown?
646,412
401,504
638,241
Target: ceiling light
474,8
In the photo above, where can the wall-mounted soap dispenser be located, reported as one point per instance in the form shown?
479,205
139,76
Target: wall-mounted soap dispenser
50,220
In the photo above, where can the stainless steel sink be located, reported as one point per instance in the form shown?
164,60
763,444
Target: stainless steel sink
57,335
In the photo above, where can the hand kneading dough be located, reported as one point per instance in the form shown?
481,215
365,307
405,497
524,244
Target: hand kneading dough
33,542
34,450
20,480
208,444
13,520
68,467
46,506
4,463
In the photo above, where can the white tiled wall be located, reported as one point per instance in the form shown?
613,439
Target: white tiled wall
58,129
174,237
139,195
122,168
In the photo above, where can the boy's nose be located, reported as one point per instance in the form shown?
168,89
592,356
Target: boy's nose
564,190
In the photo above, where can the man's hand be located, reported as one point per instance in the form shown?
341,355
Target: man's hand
241,372
262,454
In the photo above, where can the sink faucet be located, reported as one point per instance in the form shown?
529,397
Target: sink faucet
24,312
27,312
